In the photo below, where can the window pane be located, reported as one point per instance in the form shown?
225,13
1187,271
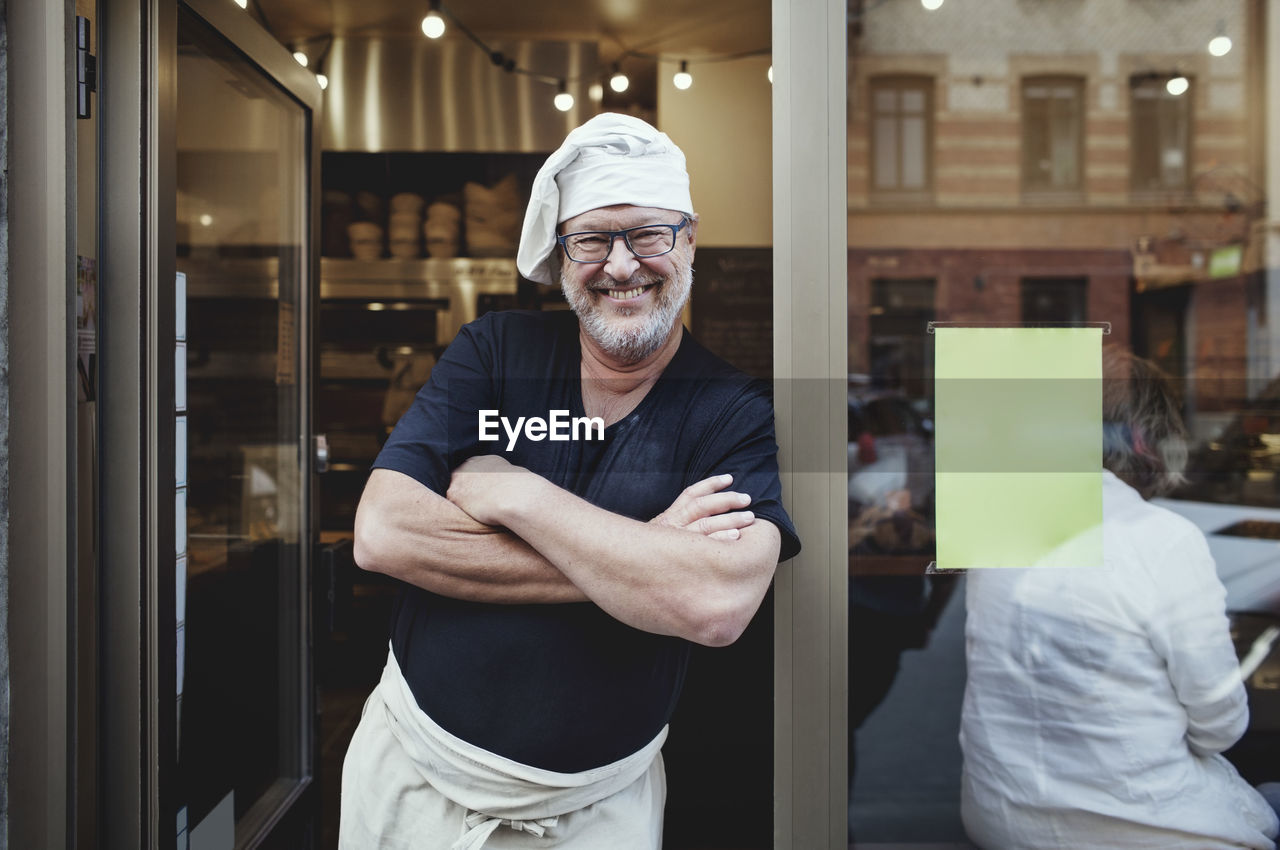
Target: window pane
900,138
1161,127
886,152
242,222
1051,135
1069,186
913,153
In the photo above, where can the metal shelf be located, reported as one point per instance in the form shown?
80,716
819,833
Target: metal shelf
428,278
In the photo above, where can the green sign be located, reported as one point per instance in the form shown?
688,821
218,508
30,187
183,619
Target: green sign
1225,261
1018,436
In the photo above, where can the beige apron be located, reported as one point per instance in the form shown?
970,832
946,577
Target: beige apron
408,784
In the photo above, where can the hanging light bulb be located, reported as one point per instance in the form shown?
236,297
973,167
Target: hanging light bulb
300,58
323,81
563,100
1220,44
1177,85
931,5
433,24
683,79
595,92
619,81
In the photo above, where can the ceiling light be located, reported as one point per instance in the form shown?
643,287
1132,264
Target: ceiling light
931,5
323,81
1220,44
683,79
243,4
771,73
619,81
563,100
1177,85
433,24
300,57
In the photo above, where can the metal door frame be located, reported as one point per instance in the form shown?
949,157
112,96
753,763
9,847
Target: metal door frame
810,353
138,109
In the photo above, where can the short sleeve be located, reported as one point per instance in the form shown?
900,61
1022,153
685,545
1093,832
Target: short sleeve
439,431
743,445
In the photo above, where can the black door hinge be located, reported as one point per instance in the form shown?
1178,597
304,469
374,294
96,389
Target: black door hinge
86,69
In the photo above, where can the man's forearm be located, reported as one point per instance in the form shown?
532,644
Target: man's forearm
659,579
408,532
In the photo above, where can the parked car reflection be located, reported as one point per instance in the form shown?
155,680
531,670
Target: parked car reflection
890,447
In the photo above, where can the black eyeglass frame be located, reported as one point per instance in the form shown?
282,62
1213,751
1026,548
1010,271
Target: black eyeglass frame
625,234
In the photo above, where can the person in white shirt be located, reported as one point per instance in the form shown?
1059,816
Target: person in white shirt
1099,701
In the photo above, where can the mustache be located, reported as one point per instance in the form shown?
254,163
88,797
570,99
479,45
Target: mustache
603,281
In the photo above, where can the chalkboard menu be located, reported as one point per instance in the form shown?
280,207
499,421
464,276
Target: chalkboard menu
733,306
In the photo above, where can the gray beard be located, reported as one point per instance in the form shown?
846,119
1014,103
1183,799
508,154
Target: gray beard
631,345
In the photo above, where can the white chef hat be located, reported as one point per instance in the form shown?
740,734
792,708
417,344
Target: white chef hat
611,159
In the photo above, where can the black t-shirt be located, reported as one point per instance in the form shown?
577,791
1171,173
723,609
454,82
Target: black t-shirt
567,687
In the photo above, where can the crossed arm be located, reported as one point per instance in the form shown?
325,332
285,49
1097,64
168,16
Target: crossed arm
506,535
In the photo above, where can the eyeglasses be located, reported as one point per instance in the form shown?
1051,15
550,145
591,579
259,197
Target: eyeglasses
645,241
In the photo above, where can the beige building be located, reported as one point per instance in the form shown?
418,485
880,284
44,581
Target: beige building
1087,161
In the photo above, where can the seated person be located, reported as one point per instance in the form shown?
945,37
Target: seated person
1099,701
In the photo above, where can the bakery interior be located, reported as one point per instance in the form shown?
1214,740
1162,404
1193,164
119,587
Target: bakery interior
427,148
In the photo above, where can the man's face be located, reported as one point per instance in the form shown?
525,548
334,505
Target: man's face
628,305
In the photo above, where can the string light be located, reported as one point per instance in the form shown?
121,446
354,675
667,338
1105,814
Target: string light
1177,85
433,24
619,82
683,79
563,100
1220,44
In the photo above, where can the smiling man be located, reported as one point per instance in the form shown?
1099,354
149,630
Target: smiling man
553,587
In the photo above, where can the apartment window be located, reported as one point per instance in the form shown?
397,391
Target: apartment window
902,137
901,310
1052,134
1054,299
1160,137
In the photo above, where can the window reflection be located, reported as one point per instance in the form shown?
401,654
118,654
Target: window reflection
1042,164
241,203
1099,701
1052,134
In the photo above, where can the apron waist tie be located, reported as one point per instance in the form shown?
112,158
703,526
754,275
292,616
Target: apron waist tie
480,826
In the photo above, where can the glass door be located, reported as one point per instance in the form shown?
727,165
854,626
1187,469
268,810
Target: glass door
242,405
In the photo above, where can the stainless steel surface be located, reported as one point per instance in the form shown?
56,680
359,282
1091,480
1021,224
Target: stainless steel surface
398,93
671,27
